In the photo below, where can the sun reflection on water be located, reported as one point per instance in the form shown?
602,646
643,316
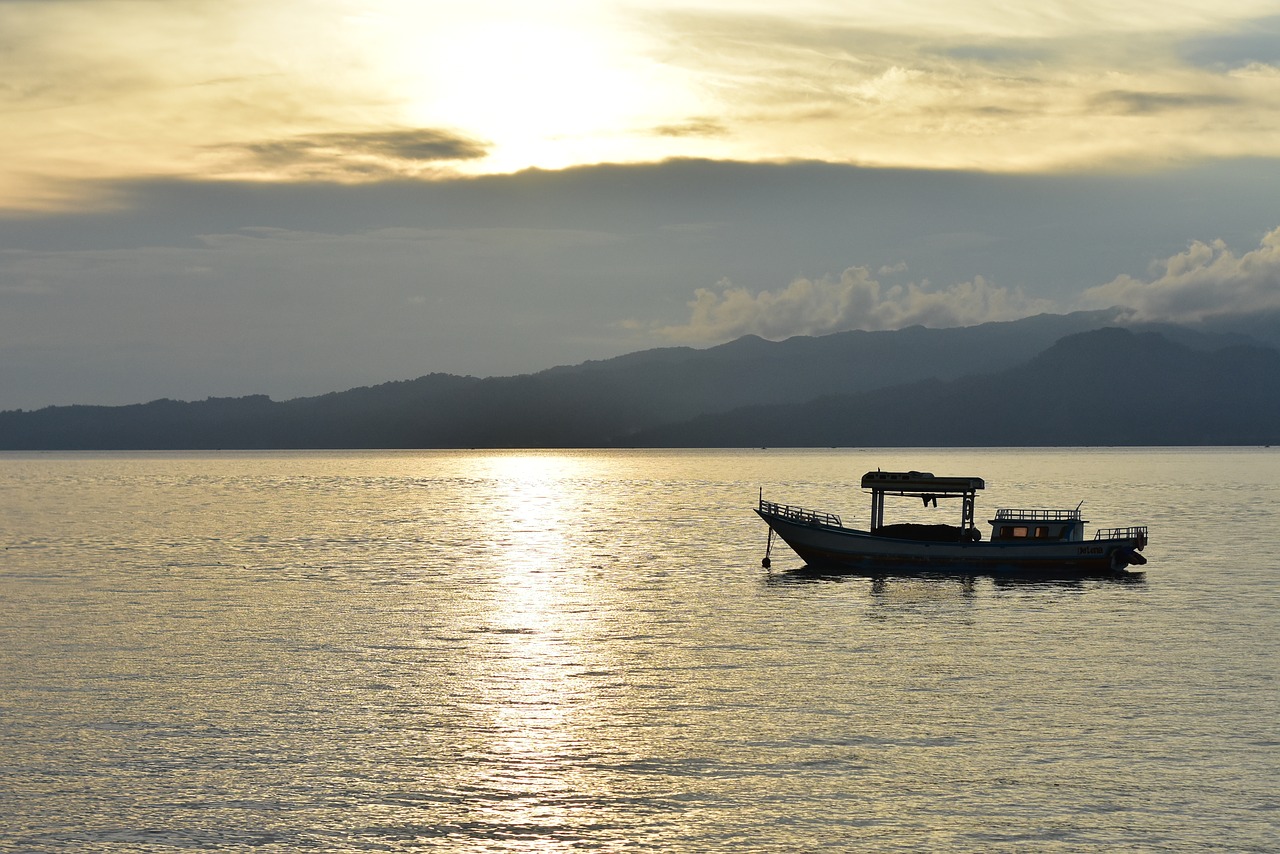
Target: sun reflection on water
538,714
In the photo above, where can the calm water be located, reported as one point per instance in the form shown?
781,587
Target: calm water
580,651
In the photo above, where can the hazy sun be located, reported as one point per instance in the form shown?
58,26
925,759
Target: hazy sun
545,86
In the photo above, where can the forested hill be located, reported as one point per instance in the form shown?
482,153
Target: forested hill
1038,381
1107,387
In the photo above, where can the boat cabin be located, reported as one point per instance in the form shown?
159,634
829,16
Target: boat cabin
1038,525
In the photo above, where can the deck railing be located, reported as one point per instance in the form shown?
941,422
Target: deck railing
800,514
1004,515
1128,533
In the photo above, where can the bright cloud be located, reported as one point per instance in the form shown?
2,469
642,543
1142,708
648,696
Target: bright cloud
297,89
1207,281
854,301
1038,92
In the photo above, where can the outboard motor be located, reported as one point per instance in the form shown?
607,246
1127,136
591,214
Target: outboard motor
1124,557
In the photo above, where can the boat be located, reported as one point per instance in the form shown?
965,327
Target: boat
1045,543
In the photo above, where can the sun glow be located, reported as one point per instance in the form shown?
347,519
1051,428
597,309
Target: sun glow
365,90
541,89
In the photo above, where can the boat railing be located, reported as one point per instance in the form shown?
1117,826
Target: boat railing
800,514
1129,533
1006,515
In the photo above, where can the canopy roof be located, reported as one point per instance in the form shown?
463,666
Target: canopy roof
920,482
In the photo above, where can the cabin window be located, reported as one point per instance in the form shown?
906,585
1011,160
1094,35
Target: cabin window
1042,532
1004,532
1020,531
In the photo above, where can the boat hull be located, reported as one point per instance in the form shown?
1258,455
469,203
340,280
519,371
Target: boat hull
826,545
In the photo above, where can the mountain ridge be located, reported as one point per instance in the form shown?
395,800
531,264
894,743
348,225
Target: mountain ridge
653,396
1104,387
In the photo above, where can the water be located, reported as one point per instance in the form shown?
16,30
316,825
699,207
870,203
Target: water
579,651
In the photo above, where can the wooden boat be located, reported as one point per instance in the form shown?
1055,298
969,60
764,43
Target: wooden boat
1049,543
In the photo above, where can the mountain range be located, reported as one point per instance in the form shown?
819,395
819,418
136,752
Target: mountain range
1073,379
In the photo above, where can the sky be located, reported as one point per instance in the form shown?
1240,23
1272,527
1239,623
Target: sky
220,197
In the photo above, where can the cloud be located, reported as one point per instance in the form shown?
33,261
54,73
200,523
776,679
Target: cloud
980,86
693,127
1207,281
371,154
1149,103
854,301
1255,41
303,90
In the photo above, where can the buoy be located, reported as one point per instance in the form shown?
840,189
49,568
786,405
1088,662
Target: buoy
766,563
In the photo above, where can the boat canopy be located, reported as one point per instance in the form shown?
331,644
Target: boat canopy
923,484
920,482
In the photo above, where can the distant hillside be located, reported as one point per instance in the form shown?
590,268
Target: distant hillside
834,389
1104,387
678,383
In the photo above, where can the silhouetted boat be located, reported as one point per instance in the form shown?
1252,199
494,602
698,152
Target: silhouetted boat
1035,542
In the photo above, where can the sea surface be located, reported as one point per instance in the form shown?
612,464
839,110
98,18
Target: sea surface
580,651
